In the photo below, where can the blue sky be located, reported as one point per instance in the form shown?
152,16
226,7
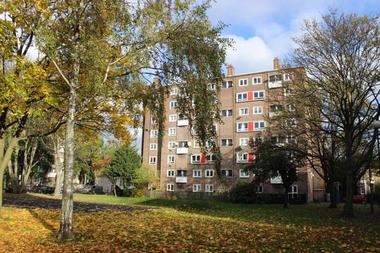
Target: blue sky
263,29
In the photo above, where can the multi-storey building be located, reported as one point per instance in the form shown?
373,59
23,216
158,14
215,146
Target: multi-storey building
247,102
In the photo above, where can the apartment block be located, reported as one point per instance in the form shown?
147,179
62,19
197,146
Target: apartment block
248,101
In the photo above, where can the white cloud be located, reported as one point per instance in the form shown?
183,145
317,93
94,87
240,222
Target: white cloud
248,55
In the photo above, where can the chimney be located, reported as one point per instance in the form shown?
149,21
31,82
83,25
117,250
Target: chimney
230,70
276,63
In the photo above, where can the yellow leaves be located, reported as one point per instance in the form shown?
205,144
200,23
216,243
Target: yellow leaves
24,88
170,230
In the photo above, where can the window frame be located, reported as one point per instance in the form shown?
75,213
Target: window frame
150,146
155,159
245,82
243,175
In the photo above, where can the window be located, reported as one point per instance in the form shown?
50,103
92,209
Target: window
209,173
170,187
288,77
258,95
260,188
197,173
182,117
212,86
293,189
197,187
257,110
291,139
154,133
242,157
276,108
243,173
241,97
227,113
243,82
287,92
242,127
152,159
291,122
170,173
209,188
172,117
259,125
195,158
197,144
173,91
172,145
291,108
171,159
227,84
244,141
243,111
210,158
172,131
275,78
173,104
183,144
153,146
181,173
257,80
226,142
227,173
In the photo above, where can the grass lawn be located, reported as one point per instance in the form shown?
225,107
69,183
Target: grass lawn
191,226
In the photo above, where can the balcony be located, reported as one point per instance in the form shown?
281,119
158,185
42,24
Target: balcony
182,151
275,84
274,114
276,180
182,122
181,179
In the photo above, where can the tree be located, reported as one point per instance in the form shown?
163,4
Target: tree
341,57
273,160
104,51
25,93
125,163
146,178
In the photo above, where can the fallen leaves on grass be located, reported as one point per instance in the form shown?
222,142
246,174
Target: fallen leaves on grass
169,230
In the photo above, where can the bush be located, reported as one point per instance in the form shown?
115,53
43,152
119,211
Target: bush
245,193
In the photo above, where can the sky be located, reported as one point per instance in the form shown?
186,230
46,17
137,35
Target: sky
263,29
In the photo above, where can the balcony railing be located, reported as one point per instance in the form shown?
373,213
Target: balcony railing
182,151
182,122
181,179
275,84
274,114
276,180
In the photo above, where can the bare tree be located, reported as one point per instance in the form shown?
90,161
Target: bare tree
341,56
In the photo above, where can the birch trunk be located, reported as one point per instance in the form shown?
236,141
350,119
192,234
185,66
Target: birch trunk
66,227
58,165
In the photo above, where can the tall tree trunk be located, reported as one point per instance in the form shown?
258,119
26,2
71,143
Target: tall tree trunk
286,197
333,194
66,227
58,165
13,171
348,210
5,157
29,163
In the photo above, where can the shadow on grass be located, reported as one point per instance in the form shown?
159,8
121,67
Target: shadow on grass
309,214
42,220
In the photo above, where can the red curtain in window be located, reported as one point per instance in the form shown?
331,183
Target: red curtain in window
250,126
